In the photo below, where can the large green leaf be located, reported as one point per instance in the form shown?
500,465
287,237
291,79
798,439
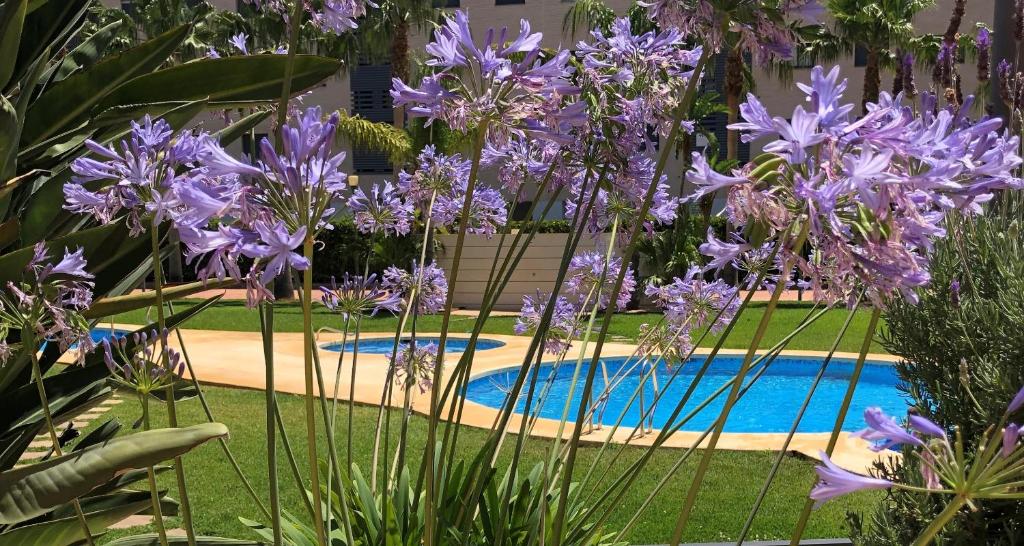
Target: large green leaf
47,26
96,241
66,531
153,540
86,54
117,119
230,79
8,138
121,304
31,491
70,100
12,19
235,131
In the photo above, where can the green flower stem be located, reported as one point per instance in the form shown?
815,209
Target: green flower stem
432,483
209,417
940,521
30,343
869,335
307,353
294,28
332,451
730,401
267,331
154,493
172,412
334,405
796,422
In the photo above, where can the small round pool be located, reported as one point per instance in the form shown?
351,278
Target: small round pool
770,405
384,345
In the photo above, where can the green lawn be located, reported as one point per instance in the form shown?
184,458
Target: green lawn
233,315
729,489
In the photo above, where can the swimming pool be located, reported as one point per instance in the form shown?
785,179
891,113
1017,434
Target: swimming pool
770,405
100,333
384,345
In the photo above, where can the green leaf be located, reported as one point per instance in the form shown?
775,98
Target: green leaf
68,101
235,131
47,26
31,491
12,19
8,138
154,540
86,54
12,264
66,531
122,304
230,79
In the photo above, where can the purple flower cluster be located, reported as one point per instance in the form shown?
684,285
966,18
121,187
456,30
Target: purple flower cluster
761,26
336,16
940,463
224,209
359,297
511,85
382,211
49,303
584,284
564,325
622,198
428,287
414,365
140,176
689,303
871,193
143,368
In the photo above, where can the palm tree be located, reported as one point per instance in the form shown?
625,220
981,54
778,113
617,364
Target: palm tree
879,26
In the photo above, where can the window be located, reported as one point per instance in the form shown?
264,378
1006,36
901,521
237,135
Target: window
371,99
128,6
508,2
446,3
860,56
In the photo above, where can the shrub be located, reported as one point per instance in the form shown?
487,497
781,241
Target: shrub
962,359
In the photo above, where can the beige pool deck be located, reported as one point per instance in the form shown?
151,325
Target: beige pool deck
230,358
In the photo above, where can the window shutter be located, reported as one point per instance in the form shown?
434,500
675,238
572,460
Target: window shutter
371,99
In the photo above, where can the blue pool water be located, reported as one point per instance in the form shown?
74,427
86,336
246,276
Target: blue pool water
384,346
100,333
770,405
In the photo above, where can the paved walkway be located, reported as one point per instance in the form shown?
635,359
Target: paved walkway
236,359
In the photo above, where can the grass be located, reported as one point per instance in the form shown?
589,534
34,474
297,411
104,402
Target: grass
233,315
728,493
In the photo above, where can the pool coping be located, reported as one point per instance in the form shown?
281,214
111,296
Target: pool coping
237,361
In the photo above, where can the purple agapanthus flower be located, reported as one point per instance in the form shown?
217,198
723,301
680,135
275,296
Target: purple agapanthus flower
49,302
692,303
872,192
335,16
834,481
143,367
430,283
356,296
1017,402
564,325
277,246
139,176
502,82
584,281
885,431
1011,435
414,365
382,211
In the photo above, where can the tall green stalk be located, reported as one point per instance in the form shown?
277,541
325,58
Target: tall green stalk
172,412
154,493
29,342
307,360
682,110
940,521
267,331
755,343
865,347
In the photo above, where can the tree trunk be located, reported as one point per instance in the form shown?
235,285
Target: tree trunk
400,69
872,79
733,91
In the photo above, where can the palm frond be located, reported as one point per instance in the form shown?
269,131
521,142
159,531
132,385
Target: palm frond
588,14
383,137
